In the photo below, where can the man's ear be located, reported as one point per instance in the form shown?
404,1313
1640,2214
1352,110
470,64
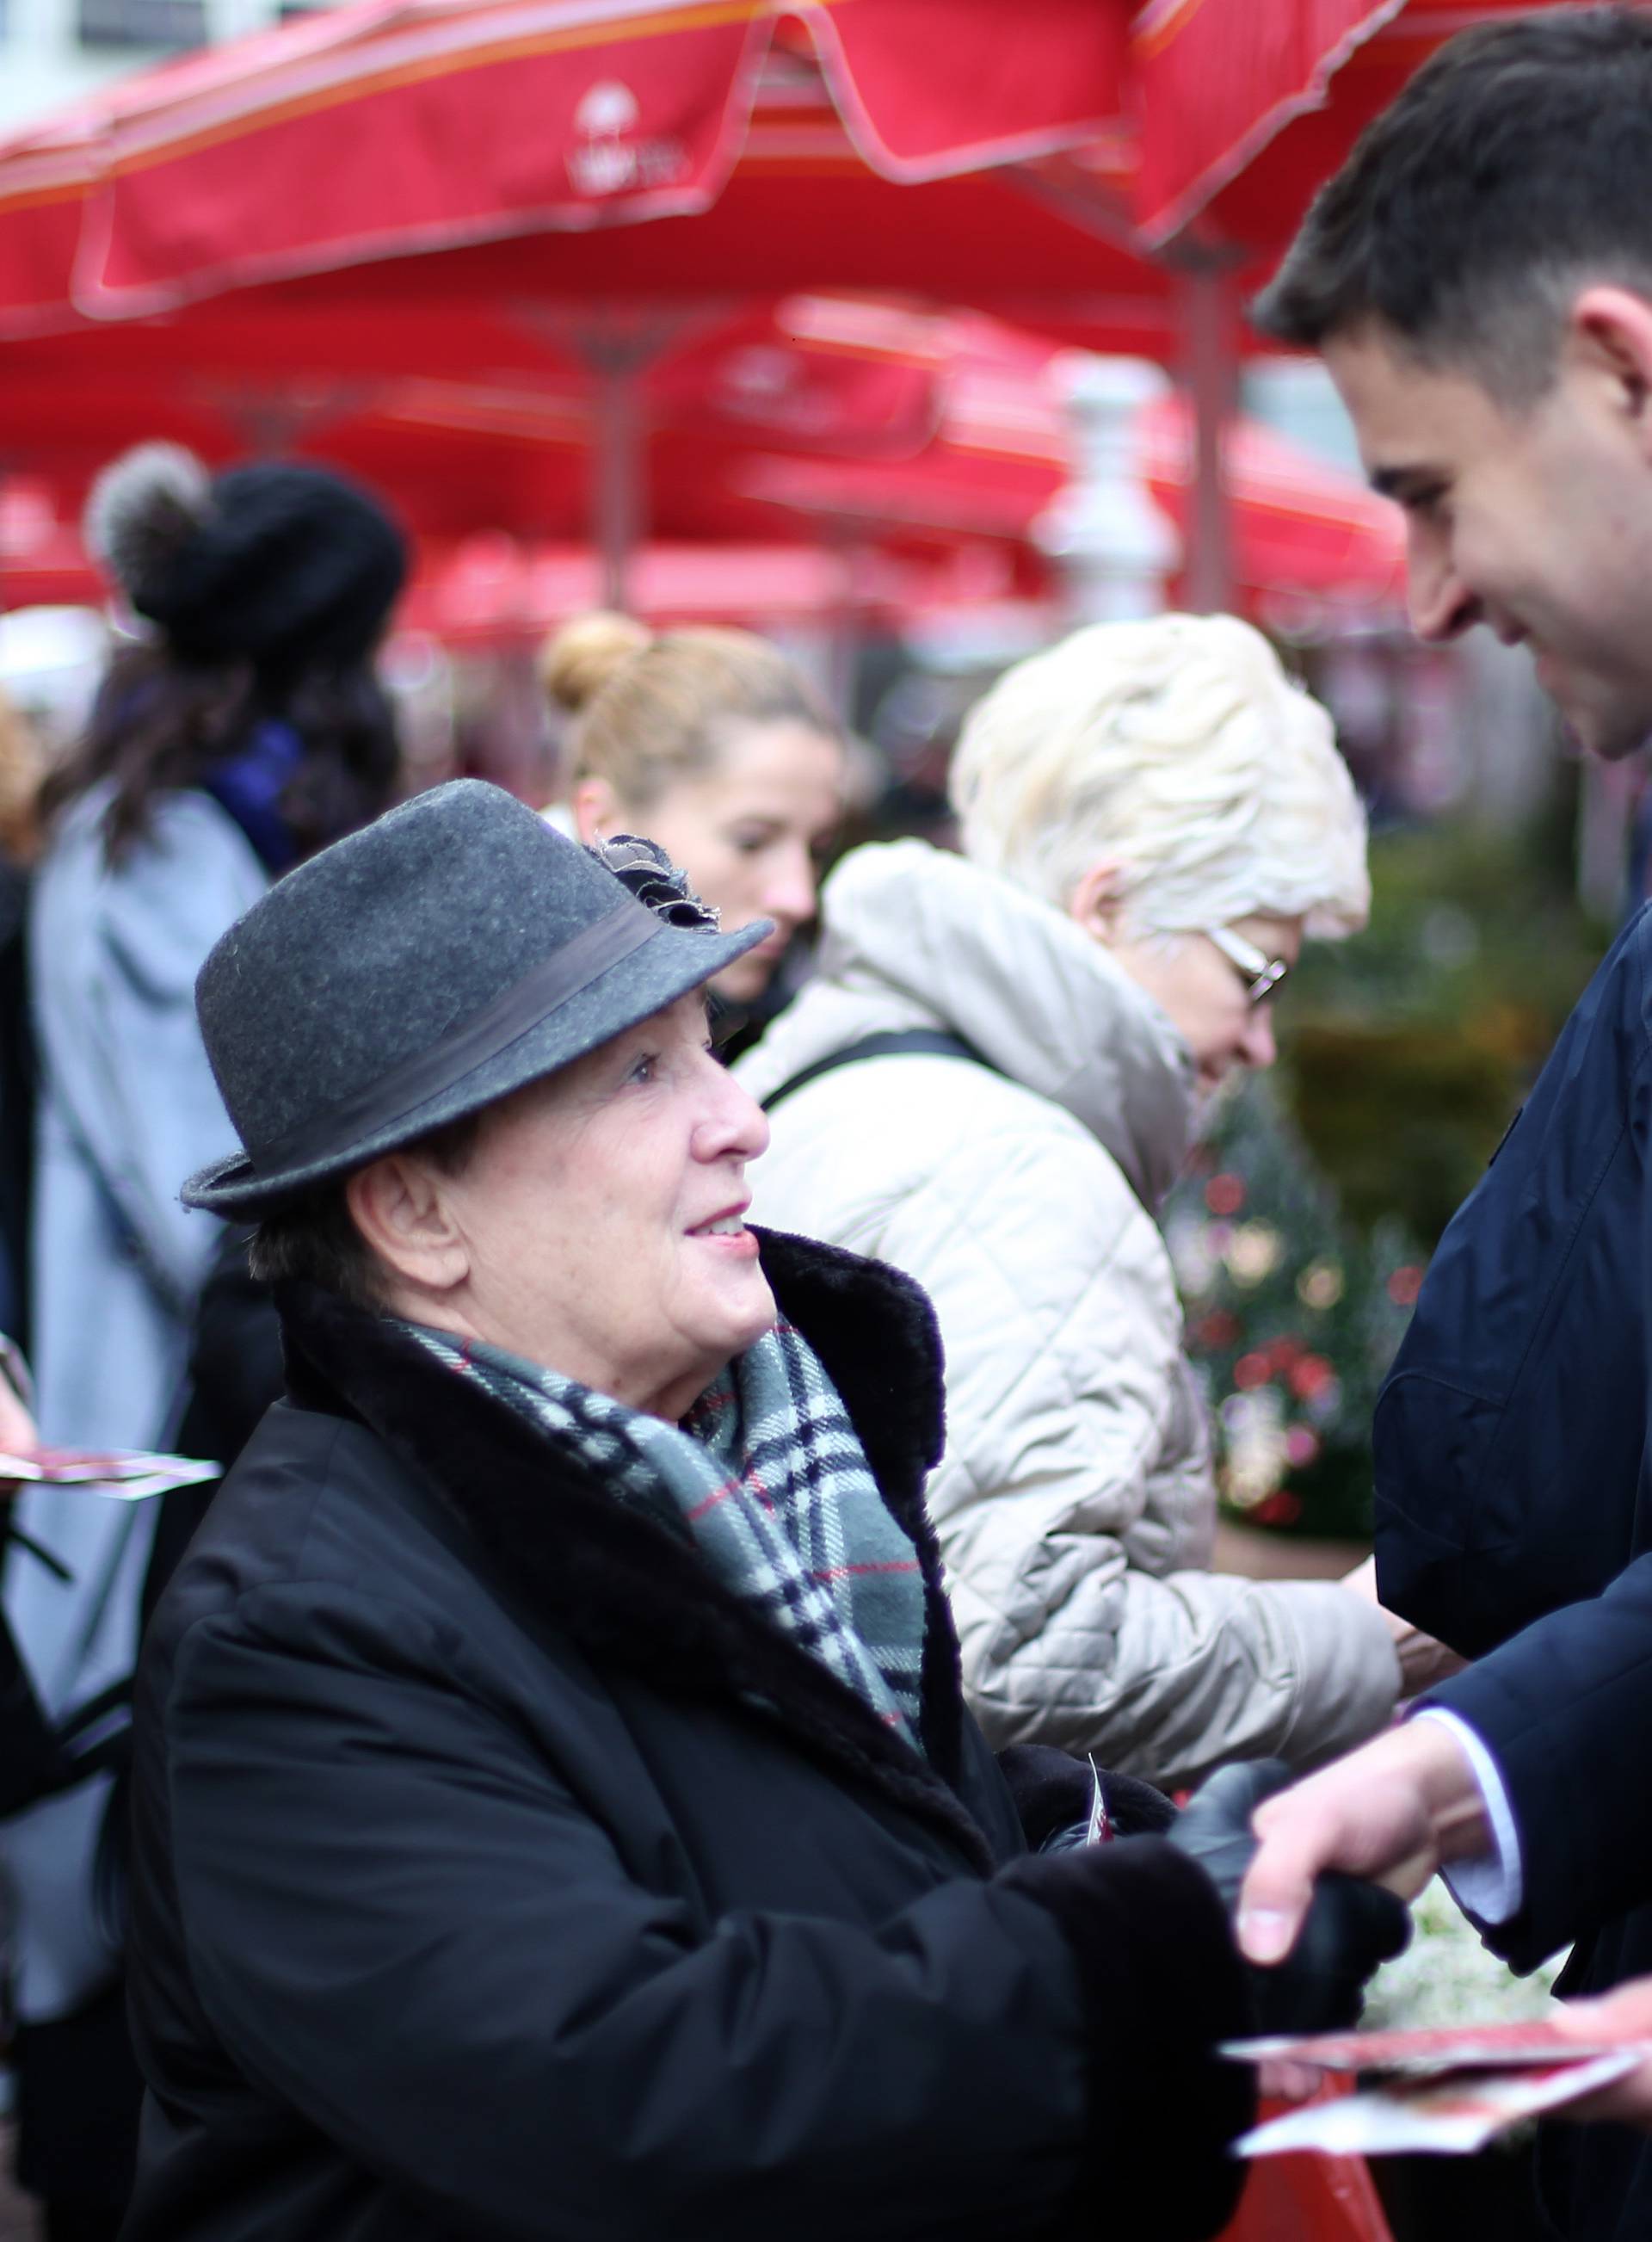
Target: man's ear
1095,902
1609,337
596,809
399,1206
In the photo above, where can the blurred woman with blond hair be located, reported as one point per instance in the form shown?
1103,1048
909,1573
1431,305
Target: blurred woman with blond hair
1153,818
713,743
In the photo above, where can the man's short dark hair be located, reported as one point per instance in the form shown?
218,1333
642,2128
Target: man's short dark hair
1515,167
317,1239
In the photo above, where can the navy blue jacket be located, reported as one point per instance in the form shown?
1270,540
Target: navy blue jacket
1512,1511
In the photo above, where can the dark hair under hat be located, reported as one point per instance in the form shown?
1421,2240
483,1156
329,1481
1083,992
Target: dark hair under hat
448,954
277,563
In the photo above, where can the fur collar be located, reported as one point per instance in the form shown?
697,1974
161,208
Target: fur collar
627,1592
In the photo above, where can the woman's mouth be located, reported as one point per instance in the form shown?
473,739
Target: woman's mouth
727,1231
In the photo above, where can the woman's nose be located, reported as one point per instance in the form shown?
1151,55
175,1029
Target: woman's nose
789,890
1258,1045
734,1126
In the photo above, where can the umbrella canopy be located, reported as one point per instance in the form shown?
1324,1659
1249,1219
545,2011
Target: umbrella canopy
505,446
1301,527
1247,109
485,149
492,591
1003,450
878,425
597,172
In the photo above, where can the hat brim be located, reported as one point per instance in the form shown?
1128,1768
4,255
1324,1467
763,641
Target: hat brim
670,965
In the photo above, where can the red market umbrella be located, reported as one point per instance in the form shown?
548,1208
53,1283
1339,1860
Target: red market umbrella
829,377
597,170
1301,527
520,145
1247,109
1003,451
968,460
492,591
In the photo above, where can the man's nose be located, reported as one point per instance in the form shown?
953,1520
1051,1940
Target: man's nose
1441,604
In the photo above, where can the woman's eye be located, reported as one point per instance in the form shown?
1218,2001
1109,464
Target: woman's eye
645,1068
750,844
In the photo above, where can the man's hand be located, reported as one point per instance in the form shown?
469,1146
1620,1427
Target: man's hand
1351,1926
1422,1661
1624,2016
1392,1812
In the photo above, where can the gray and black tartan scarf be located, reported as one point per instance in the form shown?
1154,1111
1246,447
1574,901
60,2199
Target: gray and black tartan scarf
767,1477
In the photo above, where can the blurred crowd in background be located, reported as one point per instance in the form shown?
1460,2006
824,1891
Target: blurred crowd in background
1500,867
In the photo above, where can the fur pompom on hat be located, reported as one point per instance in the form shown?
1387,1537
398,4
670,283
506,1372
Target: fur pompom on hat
277,563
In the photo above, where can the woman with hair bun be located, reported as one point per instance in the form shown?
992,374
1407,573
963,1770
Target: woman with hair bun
713,743
1152,818
240,733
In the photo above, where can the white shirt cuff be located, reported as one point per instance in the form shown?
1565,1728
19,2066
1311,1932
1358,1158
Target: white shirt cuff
1486,1885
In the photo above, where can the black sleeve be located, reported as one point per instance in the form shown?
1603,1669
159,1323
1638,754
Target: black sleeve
236,1373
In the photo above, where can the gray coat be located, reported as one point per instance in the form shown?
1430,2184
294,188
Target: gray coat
128,1108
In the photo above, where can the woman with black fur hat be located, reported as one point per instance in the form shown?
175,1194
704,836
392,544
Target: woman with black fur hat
242,732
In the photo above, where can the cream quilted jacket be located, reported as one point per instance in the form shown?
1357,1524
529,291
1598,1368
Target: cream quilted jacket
1076,1501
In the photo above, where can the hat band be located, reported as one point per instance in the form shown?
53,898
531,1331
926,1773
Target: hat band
460,1050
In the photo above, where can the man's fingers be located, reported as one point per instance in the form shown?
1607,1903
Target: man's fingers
1274,1898
1406,1878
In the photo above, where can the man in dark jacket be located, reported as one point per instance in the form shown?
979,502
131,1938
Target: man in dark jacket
1479,280
556,1813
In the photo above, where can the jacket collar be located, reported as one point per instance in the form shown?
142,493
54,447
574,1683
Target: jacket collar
557,1548
914,936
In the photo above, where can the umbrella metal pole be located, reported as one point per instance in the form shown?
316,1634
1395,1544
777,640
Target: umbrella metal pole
1210,566
619,464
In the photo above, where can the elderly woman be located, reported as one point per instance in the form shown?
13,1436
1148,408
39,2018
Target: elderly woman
1152,817
556,1816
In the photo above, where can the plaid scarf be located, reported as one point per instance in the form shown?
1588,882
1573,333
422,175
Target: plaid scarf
767,1477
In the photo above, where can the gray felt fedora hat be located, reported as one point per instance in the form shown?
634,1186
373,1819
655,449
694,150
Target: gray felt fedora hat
445,956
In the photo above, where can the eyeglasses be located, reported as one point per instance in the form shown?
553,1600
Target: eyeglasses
1260,974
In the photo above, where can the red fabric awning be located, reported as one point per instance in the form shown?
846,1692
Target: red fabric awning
1299,526
512,147
922,435
1248,106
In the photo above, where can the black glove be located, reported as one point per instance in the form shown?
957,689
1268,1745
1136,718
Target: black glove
1351,1926
1052,1790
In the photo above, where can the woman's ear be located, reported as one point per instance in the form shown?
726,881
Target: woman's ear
1094,903
402,1210
596,809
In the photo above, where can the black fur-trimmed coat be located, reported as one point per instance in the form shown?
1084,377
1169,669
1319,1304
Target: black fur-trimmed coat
499,1875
